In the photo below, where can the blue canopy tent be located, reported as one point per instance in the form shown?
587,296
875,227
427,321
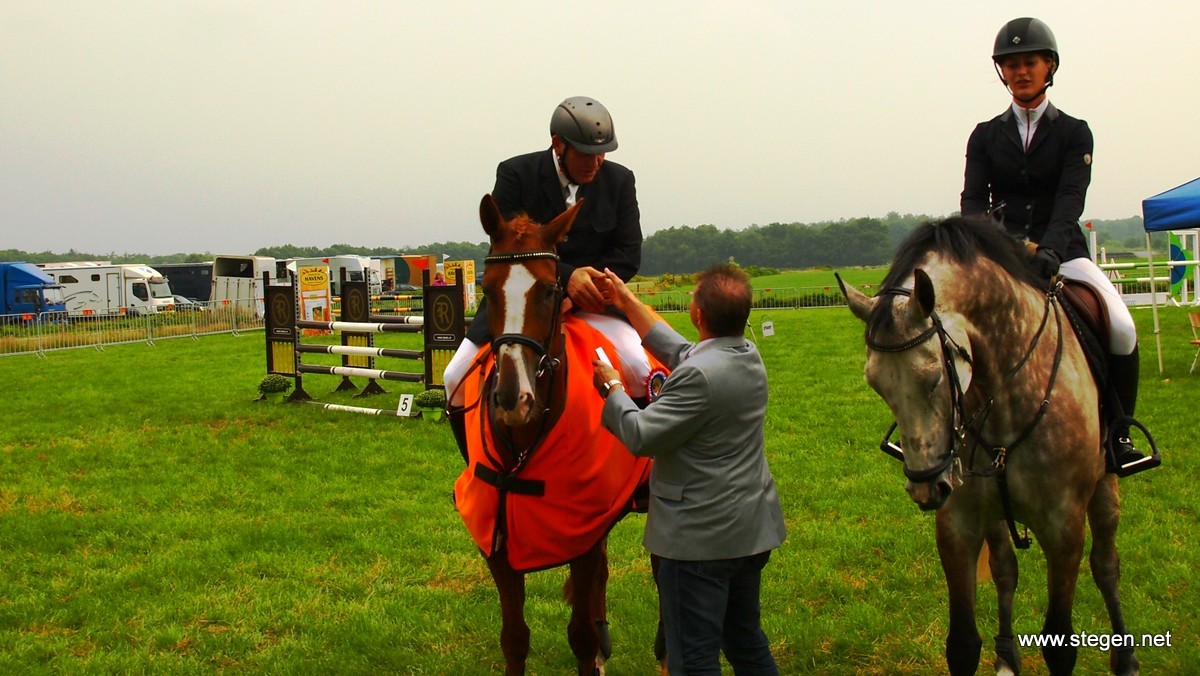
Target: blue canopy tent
1175,209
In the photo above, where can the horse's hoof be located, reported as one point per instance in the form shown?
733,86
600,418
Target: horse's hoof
1123,663
1008,658
605,638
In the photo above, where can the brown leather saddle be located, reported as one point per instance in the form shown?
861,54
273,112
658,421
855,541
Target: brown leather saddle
1089,309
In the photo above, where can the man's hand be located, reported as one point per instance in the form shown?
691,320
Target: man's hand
588,287
619,294
640,316
601,374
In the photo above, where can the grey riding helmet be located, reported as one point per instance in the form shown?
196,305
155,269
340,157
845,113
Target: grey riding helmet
585,124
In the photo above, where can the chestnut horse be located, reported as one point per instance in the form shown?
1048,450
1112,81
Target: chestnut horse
544,482
999,423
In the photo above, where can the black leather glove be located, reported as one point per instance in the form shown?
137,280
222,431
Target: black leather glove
1046,262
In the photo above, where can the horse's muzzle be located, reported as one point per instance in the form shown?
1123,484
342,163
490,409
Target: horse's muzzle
930,495
515,411
513,397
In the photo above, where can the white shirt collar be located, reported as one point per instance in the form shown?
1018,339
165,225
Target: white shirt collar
571,190
1028,119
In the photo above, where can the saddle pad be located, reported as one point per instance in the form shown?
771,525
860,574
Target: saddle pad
589,476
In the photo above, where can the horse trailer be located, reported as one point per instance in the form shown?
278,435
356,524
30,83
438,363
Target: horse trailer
191,280
239,280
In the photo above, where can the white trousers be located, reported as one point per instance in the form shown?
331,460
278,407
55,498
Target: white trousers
635,366
1122,331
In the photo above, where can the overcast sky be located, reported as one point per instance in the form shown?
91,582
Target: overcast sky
228,125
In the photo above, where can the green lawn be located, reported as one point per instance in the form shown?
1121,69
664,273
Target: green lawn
820,278
154,519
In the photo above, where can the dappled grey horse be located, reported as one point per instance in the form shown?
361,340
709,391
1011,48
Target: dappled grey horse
999,423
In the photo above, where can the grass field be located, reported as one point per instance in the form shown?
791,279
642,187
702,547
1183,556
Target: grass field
154,519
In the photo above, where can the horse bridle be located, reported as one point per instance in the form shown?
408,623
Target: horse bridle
547,362
959,424
957,427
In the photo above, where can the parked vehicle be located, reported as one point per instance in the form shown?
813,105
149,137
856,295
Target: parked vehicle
191,280
185,304
240,278
28,290
357,269
102,288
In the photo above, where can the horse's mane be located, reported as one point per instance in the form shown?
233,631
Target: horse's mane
959,239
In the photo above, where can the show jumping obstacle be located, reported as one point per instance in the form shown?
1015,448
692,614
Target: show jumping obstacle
442,322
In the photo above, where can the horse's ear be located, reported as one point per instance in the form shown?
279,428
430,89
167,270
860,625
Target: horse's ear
860,303
923,291
489,215
556,230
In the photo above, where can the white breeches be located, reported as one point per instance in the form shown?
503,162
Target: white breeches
1123,333
635,366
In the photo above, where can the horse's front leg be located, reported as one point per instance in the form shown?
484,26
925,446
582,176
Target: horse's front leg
600,603
958,547
1003,563
660,633
1104,513
582,634
514,632
1062,541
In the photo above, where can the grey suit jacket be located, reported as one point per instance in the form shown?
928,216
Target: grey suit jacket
712,493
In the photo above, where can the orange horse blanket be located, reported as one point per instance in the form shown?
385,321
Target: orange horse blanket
588,476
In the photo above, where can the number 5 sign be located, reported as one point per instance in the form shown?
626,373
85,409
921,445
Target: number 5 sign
405,408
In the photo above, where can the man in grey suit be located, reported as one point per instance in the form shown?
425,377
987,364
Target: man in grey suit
714,512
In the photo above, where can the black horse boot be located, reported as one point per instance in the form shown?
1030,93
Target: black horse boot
1126,460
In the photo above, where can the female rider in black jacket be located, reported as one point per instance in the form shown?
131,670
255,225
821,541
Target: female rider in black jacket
1030,167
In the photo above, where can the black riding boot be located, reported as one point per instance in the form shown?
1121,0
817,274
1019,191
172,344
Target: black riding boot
458,424
1123,372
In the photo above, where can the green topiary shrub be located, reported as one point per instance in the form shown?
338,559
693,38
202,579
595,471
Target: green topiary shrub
273,382
431,399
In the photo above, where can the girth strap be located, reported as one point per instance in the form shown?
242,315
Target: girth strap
510,483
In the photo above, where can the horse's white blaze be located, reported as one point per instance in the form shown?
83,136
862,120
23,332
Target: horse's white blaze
516,292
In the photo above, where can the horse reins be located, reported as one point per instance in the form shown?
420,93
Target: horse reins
960,425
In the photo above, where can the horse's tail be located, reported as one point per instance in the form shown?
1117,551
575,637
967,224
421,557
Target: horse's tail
983,569
569,590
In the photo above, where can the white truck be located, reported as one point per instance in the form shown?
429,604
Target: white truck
101,288
358,268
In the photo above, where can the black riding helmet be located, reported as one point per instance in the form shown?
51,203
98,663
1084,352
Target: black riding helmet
585,124
1023,36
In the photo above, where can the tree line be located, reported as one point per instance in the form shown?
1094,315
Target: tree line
682,249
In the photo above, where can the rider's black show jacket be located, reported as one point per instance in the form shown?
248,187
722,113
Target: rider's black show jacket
1041,191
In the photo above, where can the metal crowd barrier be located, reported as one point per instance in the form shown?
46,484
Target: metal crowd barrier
46,331
764,299
41,333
